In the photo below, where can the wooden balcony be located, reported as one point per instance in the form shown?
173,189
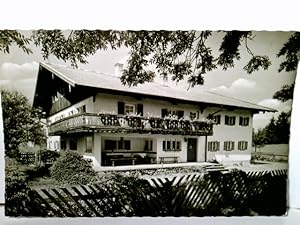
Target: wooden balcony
110,123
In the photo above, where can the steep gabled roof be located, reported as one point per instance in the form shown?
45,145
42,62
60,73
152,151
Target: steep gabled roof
102,81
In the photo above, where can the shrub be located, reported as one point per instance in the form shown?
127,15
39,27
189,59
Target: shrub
71,168
16,189
48,156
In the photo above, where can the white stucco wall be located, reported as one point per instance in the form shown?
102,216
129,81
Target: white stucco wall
234,133
109,103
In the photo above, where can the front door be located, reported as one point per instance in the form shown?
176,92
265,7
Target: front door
192,150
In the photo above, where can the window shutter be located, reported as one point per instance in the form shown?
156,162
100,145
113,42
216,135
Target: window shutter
121,107
164,112
226,120
180,113
241,121
140,109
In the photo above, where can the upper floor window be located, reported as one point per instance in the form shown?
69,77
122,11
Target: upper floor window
213,146
129,109
242,145
228,145
193,115
217,119
230,120
81,109
244,121
167,112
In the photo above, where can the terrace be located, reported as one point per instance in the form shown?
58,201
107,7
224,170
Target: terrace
111,123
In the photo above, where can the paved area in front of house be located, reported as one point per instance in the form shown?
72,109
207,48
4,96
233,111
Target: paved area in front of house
257,166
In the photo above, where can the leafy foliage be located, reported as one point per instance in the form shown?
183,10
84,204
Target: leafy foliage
276,132
175,54
259,138
21,122
291,51
49,156
285,93
16,189
71,168
13,37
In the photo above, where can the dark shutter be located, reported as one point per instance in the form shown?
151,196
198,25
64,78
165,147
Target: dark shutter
140,109
164,112
226,120
180,113
241,121
121,107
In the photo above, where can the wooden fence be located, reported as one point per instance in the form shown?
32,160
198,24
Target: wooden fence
213,194
27,157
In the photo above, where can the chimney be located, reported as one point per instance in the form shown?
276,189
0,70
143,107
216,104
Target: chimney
119,69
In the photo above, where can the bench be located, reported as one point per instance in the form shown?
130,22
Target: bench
168,159
122,159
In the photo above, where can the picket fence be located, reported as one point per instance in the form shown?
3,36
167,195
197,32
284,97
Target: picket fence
212,194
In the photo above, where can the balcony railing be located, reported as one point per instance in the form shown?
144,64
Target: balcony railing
129,124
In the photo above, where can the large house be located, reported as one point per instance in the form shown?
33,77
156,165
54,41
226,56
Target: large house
113,124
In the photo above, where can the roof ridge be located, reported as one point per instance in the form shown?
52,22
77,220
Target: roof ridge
240,100
79,68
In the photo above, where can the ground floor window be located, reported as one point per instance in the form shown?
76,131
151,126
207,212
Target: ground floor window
73,144
213,146
89,144
63,144
242,145
228,145
171,145
117,144
148,145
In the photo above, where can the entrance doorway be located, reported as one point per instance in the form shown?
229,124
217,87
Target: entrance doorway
192,150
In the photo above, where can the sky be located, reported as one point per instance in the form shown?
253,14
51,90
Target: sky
18,71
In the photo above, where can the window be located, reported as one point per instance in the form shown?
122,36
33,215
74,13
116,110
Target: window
193,115
213,146
117,144
244,121
148,145
242,145
171,145
73,144
217,119
63,145
110,144
81,109
129,109
89,144
167,112
127,145
228,145
230,120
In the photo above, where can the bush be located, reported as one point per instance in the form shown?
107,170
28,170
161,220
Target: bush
71,168
48,156
16,189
